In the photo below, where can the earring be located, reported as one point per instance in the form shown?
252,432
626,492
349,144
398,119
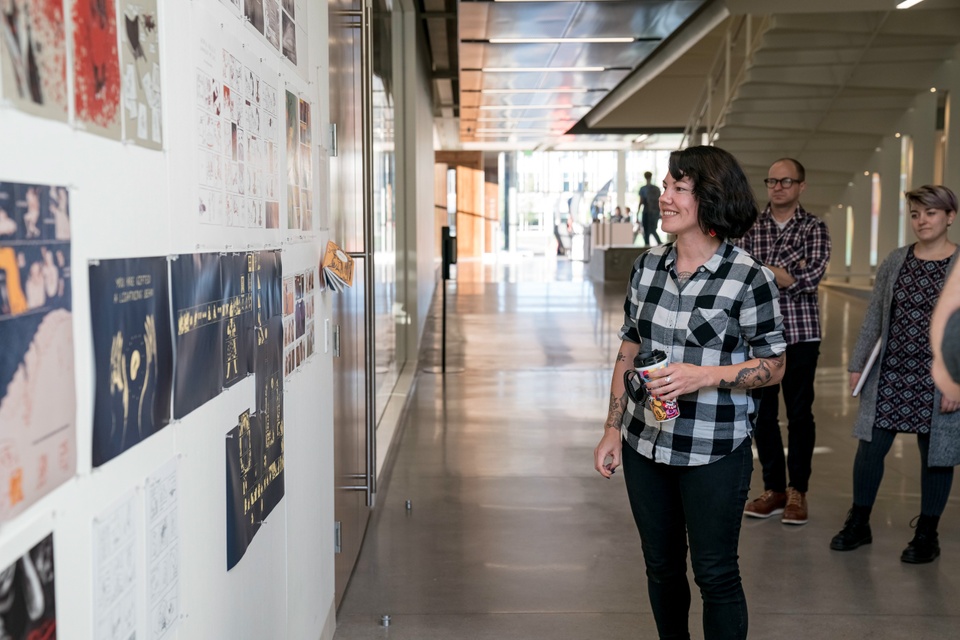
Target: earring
713,233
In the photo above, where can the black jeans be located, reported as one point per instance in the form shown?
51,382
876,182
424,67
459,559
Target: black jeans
705,504
797,387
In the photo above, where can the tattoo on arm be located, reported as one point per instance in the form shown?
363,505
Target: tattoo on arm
621,357
615,414
753,377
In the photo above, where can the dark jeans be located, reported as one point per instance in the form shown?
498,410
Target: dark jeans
705,504
797,387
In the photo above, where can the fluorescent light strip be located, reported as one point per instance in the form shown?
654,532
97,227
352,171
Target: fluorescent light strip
520,134
506,91
906,4
539,69
495,130
511,107
509,119
557,40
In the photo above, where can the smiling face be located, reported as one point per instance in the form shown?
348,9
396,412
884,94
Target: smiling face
678,206
929,224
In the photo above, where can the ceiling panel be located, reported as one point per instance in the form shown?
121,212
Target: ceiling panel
570,92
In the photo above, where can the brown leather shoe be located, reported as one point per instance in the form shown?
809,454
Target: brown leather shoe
796,510
770,503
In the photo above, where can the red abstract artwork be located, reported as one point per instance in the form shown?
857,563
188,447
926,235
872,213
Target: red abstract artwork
34,70
96,64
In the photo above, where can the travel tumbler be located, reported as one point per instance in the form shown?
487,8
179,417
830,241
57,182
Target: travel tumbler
644,364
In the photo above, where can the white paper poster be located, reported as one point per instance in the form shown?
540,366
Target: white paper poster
115,572
238,132
163,551
140,62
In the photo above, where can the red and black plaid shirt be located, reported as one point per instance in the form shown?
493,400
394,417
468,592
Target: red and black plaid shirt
803,249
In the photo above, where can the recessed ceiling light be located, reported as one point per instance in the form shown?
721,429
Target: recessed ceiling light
906,4
599,40
933,89
538,69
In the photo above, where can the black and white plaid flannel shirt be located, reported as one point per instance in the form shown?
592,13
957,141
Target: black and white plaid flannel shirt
726,313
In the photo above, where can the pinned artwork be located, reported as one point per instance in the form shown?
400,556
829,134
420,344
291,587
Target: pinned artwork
133,353
33,57
237,135
254,456
96,67
298,319
299,164
198,312
37,436
140,51
28,595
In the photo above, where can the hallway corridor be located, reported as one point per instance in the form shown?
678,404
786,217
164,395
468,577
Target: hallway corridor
511,533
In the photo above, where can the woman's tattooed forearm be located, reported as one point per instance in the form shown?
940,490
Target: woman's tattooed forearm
753,377
615,414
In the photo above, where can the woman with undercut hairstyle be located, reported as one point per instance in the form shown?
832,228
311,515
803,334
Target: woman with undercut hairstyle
898,395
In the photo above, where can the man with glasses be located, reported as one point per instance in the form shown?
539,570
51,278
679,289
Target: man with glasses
795,246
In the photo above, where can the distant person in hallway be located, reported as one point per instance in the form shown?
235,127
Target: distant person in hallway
898,395
945,339
795,246
713,310
648,211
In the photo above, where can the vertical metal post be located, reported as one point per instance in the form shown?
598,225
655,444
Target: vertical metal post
369,274
443,331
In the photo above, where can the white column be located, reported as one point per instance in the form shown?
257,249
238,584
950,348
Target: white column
860,200
888,165
622,180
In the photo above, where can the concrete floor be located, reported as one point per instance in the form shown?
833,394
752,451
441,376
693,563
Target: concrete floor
512,534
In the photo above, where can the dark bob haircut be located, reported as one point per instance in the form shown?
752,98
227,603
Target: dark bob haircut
725,201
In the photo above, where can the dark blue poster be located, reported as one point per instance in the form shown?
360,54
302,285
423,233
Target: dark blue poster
37,399
267,287
254,448
236,274
132,350
198,311
254,482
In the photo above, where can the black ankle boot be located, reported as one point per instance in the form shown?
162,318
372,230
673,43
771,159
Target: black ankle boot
925,546
855,532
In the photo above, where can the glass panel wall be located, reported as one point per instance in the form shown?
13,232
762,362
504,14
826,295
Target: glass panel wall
571,189
384,207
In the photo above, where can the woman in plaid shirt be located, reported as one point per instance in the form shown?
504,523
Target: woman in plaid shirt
713,310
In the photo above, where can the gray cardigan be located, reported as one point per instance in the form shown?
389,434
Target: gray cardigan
945,427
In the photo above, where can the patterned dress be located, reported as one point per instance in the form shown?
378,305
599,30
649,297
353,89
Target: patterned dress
905,387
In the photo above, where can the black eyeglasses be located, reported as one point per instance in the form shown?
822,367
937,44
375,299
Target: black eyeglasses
786,183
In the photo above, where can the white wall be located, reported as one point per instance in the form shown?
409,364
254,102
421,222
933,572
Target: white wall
125,202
